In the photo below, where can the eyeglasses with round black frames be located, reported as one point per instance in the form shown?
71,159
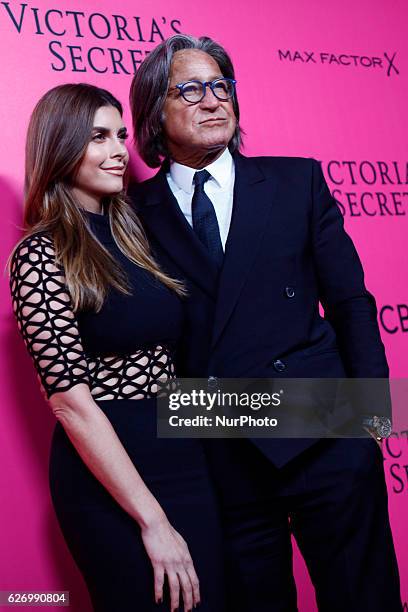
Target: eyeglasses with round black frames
194,91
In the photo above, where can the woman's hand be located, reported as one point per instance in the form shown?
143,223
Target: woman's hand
169,554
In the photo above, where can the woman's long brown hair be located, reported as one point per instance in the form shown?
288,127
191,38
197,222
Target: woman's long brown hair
58,135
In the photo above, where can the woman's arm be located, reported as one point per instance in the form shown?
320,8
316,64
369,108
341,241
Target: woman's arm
49,327
98,445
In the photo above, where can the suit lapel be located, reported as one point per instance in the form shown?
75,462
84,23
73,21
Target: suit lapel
162,216
252,203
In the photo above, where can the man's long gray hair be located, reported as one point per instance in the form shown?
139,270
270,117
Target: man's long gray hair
149,91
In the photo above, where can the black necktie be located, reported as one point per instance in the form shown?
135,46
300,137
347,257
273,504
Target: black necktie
205,222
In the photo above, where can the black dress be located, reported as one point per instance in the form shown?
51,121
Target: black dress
119,353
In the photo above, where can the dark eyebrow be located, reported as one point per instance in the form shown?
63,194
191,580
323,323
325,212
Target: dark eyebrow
105,130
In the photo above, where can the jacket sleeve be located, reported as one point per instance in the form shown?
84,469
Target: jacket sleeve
347,304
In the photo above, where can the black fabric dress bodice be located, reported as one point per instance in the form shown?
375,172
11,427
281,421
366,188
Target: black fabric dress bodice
150,316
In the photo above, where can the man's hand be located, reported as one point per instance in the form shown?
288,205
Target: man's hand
376,438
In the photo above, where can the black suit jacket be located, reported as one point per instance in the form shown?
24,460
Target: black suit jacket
287,250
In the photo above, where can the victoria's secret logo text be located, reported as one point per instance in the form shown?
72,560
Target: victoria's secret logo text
86,31
369,188
395,454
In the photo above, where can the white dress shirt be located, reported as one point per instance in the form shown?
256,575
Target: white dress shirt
219,188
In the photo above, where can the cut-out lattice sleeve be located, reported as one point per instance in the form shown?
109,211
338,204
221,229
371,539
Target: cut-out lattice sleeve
45,317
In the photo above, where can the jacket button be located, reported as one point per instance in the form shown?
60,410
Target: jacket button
212,382
279,365
290,292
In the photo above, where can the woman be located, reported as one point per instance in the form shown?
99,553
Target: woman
101,322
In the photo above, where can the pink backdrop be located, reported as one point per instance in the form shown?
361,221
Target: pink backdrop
328,80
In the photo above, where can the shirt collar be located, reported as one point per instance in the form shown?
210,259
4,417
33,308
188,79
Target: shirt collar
220,170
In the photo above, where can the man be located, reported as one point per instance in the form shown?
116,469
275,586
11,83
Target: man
259,242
